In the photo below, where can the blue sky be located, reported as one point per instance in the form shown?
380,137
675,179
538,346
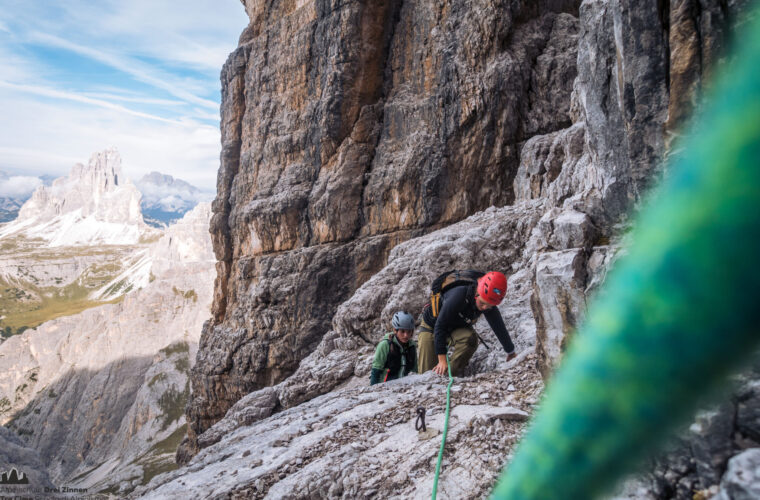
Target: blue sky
78,76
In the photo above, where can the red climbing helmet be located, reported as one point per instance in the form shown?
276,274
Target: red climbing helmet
492,287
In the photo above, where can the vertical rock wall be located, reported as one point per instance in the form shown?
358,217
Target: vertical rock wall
637,82
348,128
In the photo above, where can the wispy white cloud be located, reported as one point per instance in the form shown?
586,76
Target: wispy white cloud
35,160
199,37
49,136
18,186
137,99
71,96
138,70
198,34
16,67
203,115
173,196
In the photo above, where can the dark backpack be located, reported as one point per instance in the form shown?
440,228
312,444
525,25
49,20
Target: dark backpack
449,280
393,361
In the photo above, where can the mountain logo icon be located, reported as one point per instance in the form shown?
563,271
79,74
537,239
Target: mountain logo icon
13,476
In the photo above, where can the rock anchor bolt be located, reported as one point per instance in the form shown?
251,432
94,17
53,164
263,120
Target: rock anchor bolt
419,425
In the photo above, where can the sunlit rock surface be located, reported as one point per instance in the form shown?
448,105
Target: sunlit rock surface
359,442
348,128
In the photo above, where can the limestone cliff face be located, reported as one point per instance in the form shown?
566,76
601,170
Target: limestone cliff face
635,86
348,128
364,142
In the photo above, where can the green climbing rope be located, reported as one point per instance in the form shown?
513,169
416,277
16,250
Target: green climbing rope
445,430
677,314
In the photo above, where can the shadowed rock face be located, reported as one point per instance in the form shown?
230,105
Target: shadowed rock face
17,456
637,81
348,128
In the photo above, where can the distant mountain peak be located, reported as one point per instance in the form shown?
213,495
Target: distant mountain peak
104,169
97,189
158,180
94,204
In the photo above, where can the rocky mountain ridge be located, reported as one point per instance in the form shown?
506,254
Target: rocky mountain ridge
93,398
100,394
337,445
367,147
413,134
94,205
77,243
164,199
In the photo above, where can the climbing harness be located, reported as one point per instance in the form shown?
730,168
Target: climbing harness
419,424
445,430
398,363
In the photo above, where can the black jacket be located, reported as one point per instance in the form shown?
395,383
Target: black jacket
458,310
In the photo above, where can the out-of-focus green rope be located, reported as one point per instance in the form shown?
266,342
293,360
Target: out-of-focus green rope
675,316
445,430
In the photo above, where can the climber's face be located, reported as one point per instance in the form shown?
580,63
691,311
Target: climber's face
403,336
482,305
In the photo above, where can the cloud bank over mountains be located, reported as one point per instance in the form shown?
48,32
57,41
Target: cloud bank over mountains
168,193
164,201
18,186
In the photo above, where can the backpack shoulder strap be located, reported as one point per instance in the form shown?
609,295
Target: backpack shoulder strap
411,358
393,361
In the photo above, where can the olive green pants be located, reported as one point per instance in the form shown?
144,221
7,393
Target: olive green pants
463,340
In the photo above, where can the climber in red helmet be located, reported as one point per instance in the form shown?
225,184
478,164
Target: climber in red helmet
448,321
